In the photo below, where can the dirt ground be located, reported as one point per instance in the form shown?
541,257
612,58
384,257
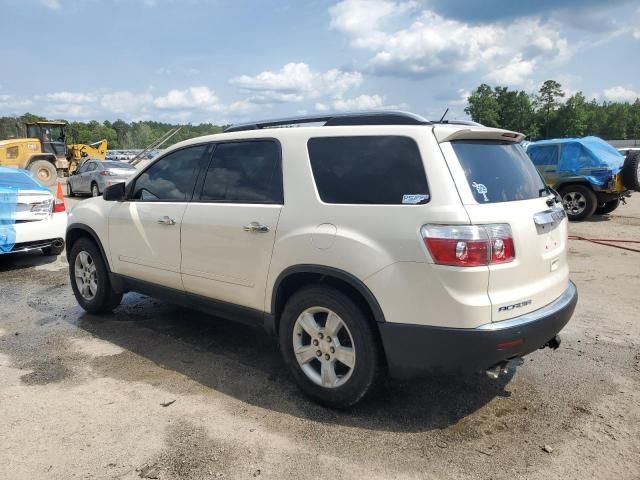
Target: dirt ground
157,391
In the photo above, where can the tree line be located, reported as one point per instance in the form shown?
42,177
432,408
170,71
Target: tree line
550,114
120,134
545,114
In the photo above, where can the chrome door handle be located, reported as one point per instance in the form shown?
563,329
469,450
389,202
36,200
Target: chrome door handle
166,220
256,227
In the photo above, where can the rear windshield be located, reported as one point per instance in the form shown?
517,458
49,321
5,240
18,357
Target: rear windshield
498,171
111,164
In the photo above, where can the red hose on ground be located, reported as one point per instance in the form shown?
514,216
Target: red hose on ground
604,241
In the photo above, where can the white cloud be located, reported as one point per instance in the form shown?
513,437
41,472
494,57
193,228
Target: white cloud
429,43
636,34
515,72
70,97
461,100
296,81
13,104
125,101
52,4
361,102
620,94
200,97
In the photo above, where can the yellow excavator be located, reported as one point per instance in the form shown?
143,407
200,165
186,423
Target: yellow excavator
45,153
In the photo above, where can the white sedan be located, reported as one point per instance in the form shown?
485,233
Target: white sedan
30,216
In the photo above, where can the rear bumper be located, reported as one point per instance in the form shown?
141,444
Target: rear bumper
413,350
35,245
39,234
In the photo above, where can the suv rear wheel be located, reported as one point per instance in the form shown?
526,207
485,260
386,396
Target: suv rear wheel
328,346
579,201
90,278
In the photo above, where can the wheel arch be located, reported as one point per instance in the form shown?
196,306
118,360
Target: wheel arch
296,277
565,182
75,232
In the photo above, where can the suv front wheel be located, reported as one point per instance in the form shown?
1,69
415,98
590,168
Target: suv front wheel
90,278
328,346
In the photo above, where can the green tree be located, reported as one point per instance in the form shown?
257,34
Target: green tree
549,92
574,116
483,106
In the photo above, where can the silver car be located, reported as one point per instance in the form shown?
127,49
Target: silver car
93,176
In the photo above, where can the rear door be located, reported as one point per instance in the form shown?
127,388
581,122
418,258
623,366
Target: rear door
228,231
498,183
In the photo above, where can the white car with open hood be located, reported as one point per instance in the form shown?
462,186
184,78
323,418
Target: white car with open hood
375,241
31,217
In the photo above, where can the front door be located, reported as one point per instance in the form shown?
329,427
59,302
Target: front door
144,230
228,231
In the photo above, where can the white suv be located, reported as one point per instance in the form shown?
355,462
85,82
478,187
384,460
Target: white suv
376,241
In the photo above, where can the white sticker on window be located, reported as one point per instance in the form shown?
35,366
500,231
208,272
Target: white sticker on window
415,199
481,189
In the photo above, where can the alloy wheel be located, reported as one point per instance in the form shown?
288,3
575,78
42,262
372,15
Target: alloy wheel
324,347
574,202
86,275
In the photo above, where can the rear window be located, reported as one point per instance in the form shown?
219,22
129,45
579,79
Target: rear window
111,164
375,170
498,171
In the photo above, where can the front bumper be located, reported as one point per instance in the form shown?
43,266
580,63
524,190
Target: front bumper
413,350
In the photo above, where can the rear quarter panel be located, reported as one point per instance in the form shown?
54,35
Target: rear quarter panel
379,244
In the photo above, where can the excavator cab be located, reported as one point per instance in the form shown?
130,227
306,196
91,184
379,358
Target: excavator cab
51,135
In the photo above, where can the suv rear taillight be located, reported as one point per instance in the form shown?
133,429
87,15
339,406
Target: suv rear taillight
58,206
469,245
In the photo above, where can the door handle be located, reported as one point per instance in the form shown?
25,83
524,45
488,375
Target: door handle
166,220
256,228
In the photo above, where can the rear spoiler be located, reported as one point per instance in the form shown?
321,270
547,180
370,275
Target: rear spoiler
449,133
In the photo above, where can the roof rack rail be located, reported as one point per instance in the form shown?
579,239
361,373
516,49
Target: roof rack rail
337,119
457,122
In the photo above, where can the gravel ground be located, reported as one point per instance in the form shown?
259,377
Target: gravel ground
157,391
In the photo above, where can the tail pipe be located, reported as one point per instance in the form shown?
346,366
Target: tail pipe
502,368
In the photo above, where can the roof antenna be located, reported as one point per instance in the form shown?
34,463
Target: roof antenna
443,115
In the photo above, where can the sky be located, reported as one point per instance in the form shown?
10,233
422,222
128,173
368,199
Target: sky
226,61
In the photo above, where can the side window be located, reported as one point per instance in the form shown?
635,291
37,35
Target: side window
171,178
91,167
543,156
12,153
375,170
244,172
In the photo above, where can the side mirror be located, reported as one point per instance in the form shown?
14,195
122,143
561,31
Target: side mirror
114,193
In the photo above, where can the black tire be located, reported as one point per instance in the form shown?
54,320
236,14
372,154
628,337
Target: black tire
45,172
70,192
53,251
95,191
579,201
631,171
607,207
366,365
105,298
